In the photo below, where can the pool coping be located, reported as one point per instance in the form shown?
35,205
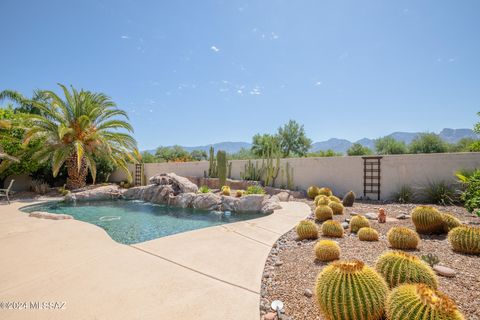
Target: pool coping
222,263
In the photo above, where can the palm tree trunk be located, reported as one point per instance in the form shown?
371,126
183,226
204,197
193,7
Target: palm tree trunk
76,178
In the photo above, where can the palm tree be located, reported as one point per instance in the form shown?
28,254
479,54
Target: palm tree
75,129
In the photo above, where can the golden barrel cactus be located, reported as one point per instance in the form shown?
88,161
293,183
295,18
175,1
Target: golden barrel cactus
402,238
398,267
335,199
307,229
348,290
418,301
465,239
367,234
449,221
427,220
336,207
225,191
325,191
327,250
313,191
323,213
239,193
357,222
321,200
332,228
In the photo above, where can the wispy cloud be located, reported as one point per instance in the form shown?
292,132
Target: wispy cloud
125,37
214,49
318,83
255,91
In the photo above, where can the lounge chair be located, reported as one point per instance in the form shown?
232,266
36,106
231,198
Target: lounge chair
5,192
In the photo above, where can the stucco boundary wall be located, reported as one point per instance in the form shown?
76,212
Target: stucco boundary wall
343,174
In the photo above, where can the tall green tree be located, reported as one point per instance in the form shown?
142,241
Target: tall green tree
198,155
172,154
357,149
293,140
388,145
264,143
77,127
428,143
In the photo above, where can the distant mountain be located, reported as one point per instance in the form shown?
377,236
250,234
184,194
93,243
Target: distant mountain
342,145
337,145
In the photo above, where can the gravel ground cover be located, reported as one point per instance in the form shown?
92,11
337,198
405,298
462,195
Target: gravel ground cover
290,270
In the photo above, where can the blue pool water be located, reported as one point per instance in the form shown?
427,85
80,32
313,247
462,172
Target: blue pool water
131,222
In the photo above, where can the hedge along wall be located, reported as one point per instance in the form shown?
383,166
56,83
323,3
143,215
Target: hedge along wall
343,174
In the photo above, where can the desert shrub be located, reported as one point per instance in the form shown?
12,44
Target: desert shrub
204,189
471,192
255,190
39,186
403,195
439,192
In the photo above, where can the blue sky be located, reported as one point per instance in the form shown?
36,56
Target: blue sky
199,72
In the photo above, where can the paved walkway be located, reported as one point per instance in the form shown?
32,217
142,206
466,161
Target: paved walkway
211,273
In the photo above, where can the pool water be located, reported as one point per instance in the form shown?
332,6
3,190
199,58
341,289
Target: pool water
131,222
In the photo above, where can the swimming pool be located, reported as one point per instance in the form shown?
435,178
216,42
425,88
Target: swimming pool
130,222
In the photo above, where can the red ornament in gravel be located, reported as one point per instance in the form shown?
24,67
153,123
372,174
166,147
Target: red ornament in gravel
382,216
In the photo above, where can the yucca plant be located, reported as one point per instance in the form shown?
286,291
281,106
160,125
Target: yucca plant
439,192
76,128
403,195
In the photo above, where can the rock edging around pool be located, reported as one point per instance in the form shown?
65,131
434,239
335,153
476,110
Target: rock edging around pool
174,190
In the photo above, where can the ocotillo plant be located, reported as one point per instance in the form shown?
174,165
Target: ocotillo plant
222,167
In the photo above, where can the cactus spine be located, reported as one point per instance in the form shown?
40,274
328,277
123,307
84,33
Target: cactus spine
323,213
348,290
398,268
332,228
427,220
327,250
307,229
367,234
418,301
222,167
402,238
465,239
358,222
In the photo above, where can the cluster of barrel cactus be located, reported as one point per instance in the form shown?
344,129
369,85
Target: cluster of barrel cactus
307,229
327,250
357,222
403,238
419,301
465,239
368,234
398,267
449,222
332,228
351,290
321,200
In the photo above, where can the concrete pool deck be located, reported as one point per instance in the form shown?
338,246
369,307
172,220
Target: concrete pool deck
211,273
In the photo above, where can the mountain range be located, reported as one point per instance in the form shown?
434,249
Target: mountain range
342,145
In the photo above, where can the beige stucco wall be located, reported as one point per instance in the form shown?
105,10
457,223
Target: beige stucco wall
345,173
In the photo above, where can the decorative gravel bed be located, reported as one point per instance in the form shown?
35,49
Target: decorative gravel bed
291,269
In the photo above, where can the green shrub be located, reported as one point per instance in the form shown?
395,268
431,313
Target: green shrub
439,192
403,195
255,190
204,189
471,193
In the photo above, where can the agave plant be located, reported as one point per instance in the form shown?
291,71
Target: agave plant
76,128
